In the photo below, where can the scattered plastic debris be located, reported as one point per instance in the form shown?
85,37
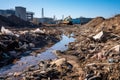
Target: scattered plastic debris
6,31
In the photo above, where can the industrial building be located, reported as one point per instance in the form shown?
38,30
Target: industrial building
7,12
36,21
84,20
45,20
29,16
19,12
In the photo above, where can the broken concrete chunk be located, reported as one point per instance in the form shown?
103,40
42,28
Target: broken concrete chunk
31,45
17,35
6,31
17,74
38,31
58,62
116,48
23,32
98,36
91,64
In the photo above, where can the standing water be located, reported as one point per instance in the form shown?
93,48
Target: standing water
24,62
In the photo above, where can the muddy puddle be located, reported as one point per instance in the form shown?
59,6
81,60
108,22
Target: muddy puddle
31,60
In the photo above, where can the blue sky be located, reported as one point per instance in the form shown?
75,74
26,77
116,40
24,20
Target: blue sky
74,8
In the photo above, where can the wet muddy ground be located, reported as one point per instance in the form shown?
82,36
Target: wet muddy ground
33,60
21,42
35,55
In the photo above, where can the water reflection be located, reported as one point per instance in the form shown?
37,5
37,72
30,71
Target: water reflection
24,62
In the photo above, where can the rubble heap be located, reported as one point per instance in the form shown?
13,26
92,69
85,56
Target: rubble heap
14,43
98,49
13,21
95,54
56,69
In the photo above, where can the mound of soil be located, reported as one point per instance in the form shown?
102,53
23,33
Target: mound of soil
13,21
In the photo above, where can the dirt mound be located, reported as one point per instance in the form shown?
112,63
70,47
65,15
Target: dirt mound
97,48
112,24
4,21
18,22
100,24
95,22
13,21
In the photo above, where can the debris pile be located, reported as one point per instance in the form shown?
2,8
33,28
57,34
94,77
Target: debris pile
13,21
98,49
95,54
14,43
52,70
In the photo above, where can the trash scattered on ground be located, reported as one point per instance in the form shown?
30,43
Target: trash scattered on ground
6,31
94,55
38,31
14,43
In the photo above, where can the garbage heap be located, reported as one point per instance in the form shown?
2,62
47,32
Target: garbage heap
97,48
14,21
14,43
45,70
95,54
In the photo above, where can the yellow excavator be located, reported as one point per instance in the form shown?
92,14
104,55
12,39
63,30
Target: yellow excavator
67,20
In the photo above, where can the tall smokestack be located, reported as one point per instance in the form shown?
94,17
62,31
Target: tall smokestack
42,13
62,17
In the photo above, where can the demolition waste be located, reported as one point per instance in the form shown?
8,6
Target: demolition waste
15,44
94,55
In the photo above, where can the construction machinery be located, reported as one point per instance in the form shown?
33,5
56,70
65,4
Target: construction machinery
67,20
